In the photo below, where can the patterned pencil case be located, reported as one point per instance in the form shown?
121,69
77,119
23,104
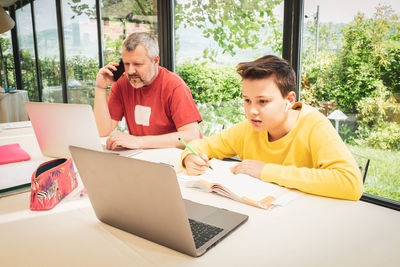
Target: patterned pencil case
51,182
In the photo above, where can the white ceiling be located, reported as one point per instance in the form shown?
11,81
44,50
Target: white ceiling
7,3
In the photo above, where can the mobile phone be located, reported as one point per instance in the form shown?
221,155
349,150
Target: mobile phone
120,70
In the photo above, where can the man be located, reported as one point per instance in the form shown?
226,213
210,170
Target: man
156,103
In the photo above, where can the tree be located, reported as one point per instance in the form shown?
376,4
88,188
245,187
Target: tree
232,24
368,56
125,11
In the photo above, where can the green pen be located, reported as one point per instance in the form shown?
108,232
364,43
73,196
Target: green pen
191,150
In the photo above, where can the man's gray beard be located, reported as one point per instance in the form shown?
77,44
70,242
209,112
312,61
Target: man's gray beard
138,84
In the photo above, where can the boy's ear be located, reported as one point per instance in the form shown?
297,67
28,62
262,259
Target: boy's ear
291,96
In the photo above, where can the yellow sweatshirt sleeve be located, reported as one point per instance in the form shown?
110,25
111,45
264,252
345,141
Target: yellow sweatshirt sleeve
334,172
225,144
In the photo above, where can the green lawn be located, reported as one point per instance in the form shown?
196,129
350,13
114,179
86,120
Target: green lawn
383,176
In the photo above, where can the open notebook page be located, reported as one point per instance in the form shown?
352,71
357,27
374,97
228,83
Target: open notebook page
241,184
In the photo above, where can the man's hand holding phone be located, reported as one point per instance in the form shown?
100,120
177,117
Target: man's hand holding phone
109,73
120,70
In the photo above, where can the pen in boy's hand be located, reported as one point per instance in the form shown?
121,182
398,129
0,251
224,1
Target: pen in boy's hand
191,150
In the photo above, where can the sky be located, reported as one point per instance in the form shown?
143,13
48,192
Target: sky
343,11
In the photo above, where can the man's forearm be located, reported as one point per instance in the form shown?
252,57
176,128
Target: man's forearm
168,140
101,112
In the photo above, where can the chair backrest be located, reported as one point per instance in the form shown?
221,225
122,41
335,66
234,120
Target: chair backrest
363,164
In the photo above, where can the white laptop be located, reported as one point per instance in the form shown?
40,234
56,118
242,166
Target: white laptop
58,125
144,198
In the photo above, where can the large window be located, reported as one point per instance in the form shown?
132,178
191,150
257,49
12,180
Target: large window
351,65
81,50
48,50
8,60
123,17
211,38
27,52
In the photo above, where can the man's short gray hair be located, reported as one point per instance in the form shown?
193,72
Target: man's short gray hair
145,39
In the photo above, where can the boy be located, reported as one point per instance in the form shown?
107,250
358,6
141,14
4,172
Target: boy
282,141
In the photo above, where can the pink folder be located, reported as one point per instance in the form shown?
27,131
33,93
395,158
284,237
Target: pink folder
12,153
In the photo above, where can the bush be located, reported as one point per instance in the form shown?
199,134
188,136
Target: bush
369,56
377,125
372,109
383,136
217,117
211,83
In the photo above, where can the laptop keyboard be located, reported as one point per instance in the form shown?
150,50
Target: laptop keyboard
203,232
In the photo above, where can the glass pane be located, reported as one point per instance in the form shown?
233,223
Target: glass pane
81,49
211,38
48,50
8,61
27,52
351,63
123,17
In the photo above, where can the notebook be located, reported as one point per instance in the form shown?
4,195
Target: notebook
144,198
11,153
58,125
240,187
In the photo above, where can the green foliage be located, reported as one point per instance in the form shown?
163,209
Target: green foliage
347,132
217,91
211,83
82,8
360,76
369,57
329,43
385,136
232,24
371,110
130,9
391,69
377,125
314,74
82,68
28,72
112,9
8,58
50,72
113,50
217,117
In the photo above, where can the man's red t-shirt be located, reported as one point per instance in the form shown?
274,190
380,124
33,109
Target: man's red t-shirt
160,108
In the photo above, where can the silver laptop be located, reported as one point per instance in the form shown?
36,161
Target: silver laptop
144,198
58,125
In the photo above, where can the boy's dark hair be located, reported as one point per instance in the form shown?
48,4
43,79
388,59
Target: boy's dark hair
270,66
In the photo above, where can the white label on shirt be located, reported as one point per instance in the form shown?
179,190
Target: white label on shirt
142,115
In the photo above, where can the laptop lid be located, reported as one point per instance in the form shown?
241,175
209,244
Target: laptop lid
58,125
144,198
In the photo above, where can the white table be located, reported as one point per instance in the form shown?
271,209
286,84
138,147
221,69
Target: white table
310,231
12,106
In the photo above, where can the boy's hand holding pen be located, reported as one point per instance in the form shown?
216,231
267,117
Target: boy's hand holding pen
195,163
